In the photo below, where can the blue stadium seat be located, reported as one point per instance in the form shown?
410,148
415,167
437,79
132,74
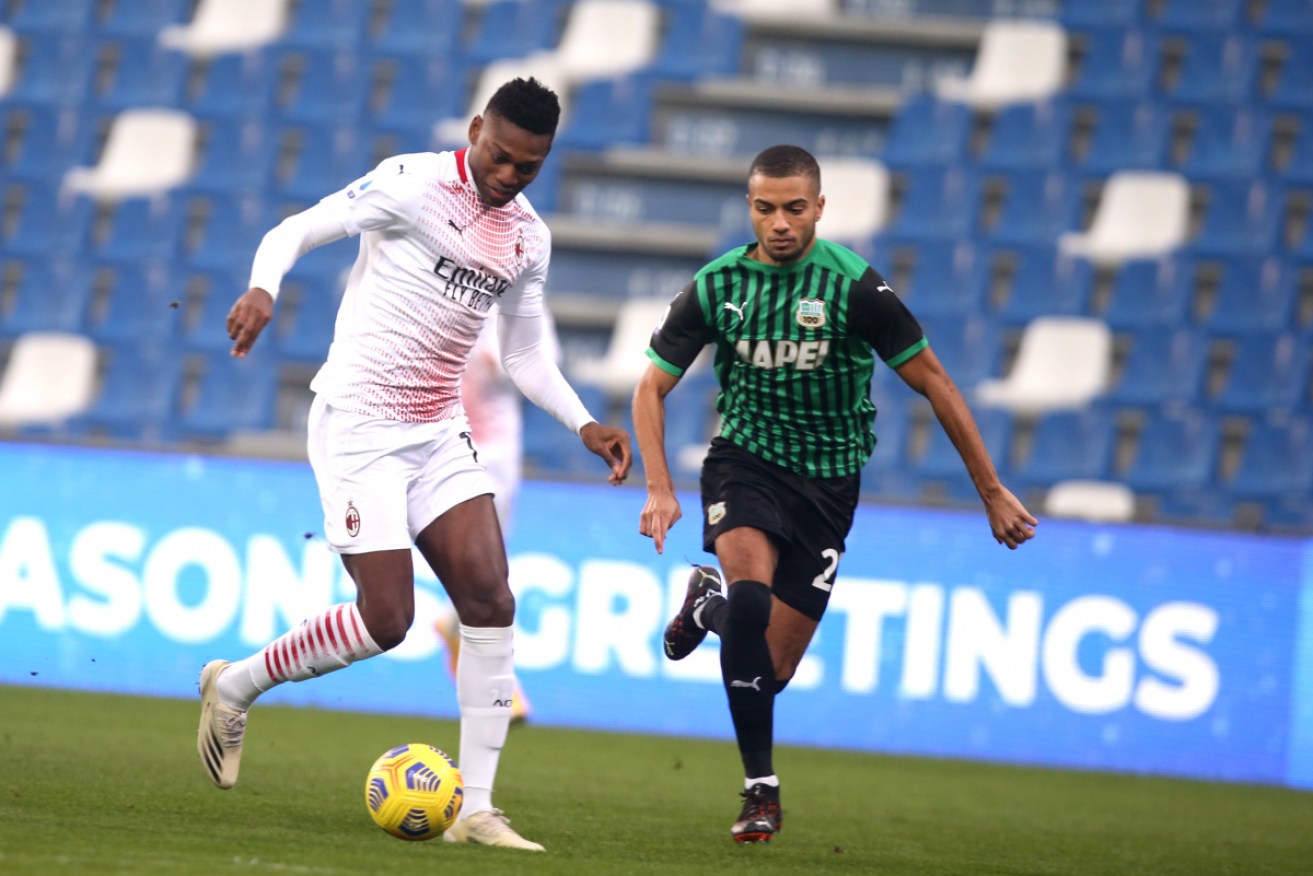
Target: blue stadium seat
1242,218
57,69
50,223
1229,143
1217,68
65,16
698,42
1079,15
970,347
206,329
1277,461
331,88
139,394
236,156
45,141
233,395
1068,445
330,25
1127,135
1268,372
49,295
1164,366
1286,19
1190,16
1177,450
1118,64
927,132
1038,207
949,278
609,112
1256,293
1298,171
937,204
513,29
143,229
1047,283
307,335
1290,92
1028,136
144,18
329,158
887,473
232,230
550,449
1151,293
144,74
236,85
941,463
144,304
422,29
421,89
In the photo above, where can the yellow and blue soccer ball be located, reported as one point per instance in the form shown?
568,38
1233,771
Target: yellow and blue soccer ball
414,792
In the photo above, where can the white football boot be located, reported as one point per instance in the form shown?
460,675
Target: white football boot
489,828
219,738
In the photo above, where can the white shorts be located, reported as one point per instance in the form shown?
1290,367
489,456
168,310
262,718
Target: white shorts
382,482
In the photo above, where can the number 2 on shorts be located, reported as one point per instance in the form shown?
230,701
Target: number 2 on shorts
831,557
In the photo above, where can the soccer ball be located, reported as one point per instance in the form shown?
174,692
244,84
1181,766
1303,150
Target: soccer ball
414,792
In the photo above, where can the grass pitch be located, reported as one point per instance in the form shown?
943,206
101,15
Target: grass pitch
93,783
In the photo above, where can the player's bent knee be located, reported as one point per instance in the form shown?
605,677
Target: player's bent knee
488,609
749,607
388,630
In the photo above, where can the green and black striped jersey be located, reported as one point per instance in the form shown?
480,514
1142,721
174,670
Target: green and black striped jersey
795,351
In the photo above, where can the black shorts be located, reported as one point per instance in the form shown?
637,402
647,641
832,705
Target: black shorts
807,518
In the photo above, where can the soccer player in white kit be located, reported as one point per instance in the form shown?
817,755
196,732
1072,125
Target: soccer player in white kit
444,236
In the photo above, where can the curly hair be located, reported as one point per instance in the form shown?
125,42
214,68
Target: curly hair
528,104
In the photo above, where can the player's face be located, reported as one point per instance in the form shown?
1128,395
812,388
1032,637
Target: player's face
504,158
784,211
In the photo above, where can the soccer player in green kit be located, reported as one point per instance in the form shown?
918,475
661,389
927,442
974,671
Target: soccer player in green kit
798,322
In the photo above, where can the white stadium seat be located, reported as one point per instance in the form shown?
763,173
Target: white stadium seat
148,151
607,38
618,370
1017,61
751,10
1095,501
1141,215
859,207
543,66
8,59
50,377
221,26
1063,363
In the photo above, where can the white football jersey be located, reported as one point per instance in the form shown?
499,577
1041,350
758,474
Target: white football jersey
433,260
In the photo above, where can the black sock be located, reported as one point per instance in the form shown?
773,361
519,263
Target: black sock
713,614
749,673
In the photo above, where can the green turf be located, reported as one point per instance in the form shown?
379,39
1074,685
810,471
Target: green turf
105,784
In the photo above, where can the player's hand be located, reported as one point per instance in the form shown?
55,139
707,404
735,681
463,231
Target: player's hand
248,318
660,512
612,444
1009,520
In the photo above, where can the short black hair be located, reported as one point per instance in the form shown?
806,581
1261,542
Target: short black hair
528,104
785,160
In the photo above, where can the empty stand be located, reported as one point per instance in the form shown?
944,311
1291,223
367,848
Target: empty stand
619,370
1063,362
148,151
1269,371
927,131
947,280
49,295
1151,293
608,38
221,26
1017,61
1177,451
138,396
1068,445
50,376
1094,501
1165,365
1045,282
1140,215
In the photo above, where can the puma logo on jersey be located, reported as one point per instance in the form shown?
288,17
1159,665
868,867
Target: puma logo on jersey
459,230
734,308
802,355
883,287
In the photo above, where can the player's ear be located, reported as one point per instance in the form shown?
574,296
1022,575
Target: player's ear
820,206
476,125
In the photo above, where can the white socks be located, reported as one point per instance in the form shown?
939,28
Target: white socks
768,781
321,644
485,684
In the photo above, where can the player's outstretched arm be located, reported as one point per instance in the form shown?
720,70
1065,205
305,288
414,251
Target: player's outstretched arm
1009,520
248,317
661,511
612,444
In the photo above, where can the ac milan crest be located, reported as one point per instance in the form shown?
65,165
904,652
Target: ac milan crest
519,247
352,520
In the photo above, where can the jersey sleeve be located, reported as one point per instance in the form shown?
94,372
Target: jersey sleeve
879,316
385,199
681,334
525,296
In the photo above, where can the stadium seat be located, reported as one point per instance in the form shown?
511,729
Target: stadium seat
138,396
328,158
148,152
937,204
236,86
1298,169
1190,16
1127,135
233,227
698,41
607,113
331,88
1017,61
550,449
887,473
420,29
1285,19
233,395
65,16
8,60
1028,136
420,89
206,329
143,229
50,376
1268,372
513,29
1277,461
1255,293
1242,217
144,18
940,461
1218,68
1106,13
860,206
45,141
144,75
607,38
1140,215
1117,63
1046,283
1038,207
774,10
49,295
1229,143
236,156
1091,501
969,347
50,222
617,372
1068,445
1178,450
1063,362
1165,365
453,132
927,131
948,279
56,69
222,26
1151,293
328,25
143,304
1290,92
309,332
